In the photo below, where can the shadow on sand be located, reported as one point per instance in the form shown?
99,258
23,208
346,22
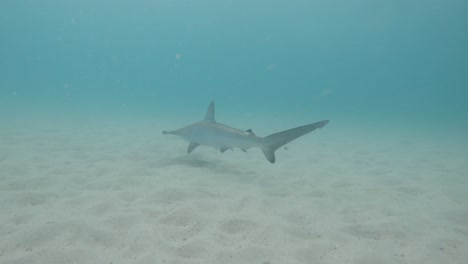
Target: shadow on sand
218,166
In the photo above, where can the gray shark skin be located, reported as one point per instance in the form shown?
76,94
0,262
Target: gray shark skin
210,133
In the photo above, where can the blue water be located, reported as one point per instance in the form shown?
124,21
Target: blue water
385,61
87,86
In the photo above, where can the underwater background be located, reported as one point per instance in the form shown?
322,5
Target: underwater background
87,87
403,62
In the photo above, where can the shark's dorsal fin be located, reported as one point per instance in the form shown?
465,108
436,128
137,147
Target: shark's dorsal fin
209,116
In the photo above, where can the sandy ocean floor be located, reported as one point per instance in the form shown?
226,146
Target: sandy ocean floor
123,193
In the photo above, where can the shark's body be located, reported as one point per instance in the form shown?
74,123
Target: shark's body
210,133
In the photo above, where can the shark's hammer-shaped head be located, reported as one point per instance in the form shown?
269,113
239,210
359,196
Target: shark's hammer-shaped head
183,132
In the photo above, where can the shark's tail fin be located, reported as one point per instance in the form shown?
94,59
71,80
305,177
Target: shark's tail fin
274,141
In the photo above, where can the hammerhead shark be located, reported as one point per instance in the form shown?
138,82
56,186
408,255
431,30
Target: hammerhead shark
210,133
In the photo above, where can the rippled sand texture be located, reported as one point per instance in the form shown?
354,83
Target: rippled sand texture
118,193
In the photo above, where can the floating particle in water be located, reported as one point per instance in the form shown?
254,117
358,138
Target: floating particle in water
271,67
327,91
178,56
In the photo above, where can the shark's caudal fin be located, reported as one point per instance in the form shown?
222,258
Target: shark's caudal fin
274,141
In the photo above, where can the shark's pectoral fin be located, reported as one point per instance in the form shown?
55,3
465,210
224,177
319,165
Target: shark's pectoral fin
223,149
244,150
192,146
